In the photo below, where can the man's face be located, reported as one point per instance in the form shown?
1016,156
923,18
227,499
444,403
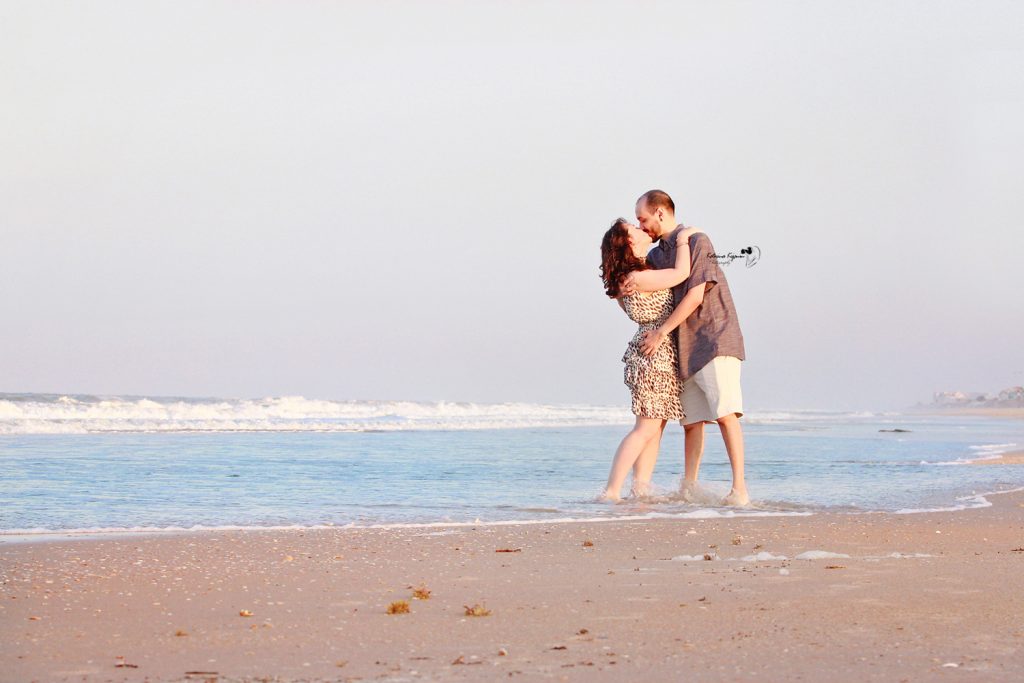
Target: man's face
648,221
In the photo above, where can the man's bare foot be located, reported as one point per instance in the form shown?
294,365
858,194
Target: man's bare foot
737,498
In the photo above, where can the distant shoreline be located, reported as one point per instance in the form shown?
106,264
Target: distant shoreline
1013,412
1013,458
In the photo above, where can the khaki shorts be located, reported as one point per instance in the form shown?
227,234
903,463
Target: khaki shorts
713,391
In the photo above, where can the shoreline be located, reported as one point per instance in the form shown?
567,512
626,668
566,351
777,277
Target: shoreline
1009,458
18,537
891,596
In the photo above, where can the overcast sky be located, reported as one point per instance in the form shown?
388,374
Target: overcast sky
405,200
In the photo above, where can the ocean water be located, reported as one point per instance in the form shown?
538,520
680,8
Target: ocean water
82,463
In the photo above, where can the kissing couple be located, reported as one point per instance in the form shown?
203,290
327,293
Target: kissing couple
683,363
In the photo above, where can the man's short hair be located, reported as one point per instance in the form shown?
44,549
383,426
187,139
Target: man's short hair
657,199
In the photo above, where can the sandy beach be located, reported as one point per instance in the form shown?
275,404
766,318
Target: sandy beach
906,597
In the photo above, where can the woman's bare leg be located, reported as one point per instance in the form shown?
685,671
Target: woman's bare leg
643,468
634,443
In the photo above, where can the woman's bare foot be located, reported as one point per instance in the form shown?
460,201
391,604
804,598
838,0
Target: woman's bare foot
607,497
640,489
737,498
689,491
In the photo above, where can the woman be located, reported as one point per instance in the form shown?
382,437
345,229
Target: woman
653,381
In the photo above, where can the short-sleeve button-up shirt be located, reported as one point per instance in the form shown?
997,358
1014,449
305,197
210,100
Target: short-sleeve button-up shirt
713,329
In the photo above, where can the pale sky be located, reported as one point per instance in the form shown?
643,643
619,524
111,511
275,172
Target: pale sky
405,200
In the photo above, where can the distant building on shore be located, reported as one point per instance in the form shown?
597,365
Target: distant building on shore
956,398
1012,394
1012,397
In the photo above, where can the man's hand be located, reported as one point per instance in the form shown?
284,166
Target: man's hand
651,341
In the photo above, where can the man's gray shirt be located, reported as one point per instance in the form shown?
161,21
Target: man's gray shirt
713,329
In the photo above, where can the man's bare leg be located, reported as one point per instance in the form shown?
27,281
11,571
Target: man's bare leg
732,434
693,450
644,466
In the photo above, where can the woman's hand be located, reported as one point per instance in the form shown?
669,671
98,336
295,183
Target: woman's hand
628,286
651,341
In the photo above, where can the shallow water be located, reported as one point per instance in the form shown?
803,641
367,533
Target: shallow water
796,463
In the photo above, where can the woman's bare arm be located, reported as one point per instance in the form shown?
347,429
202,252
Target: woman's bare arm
653,280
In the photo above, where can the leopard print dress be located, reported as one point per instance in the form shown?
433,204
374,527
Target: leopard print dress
654,381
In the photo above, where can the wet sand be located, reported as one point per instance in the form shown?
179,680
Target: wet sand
1014,413
1015,458
934,596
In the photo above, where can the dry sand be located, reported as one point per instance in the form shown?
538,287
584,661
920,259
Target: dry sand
935,596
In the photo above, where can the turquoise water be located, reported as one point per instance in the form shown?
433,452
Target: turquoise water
796,463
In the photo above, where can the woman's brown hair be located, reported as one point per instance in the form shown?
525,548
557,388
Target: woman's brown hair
617,258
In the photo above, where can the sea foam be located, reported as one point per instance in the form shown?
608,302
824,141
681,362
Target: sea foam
820,555
982,452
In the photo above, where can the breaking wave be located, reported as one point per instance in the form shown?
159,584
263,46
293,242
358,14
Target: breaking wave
55,414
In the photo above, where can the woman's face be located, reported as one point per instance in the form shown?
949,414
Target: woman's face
638,239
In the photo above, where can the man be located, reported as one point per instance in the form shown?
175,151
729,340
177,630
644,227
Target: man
709,338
